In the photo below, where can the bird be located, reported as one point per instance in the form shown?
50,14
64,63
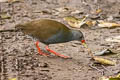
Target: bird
48,31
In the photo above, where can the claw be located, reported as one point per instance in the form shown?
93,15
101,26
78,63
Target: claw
40,51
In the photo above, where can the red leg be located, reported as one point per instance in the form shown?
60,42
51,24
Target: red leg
60,55
39,50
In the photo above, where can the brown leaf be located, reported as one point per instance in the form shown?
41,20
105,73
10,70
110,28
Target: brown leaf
5,16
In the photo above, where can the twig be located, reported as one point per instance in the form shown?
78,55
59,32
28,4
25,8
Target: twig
9,30
106,68
102,72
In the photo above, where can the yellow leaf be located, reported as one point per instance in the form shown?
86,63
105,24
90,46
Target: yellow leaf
113,39
118,75
108,24
13,0
5,16
104,61
75,22
8,0
13,79
98,11
91,23
3,0
103,78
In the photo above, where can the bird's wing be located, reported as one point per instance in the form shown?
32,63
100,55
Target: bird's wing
43,29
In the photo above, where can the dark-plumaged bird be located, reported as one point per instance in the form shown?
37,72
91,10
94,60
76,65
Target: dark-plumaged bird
50,32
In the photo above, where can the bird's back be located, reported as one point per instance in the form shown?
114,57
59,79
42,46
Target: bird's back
43,29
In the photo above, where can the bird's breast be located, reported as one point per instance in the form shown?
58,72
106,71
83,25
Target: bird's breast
60,37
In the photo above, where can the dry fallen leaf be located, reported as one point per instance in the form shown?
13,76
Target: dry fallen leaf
118,75
45,12
107,52
110,78
12,0
62,9
61,45
76,12
5,16
75,22
113,39
13,79
3,0
104,61
98,11
114,78
2,22
91,23
103,78
9,0
108,24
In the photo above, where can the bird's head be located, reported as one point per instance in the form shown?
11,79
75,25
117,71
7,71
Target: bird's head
78,35
82,39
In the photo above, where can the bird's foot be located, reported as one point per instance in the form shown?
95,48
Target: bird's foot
63,56
39,50
60,55
44,54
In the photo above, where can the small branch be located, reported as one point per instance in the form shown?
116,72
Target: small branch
9,30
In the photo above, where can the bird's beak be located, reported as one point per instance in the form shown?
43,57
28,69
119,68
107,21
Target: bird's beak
84,44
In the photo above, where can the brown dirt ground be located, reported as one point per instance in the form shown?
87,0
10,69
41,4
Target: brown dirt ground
20,59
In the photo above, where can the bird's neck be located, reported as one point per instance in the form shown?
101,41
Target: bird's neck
73,35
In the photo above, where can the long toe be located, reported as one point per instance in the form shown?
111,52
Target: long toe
44,54
63,56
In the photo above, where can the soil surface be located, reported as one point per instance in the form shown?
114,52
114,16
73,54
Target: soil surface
19,57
